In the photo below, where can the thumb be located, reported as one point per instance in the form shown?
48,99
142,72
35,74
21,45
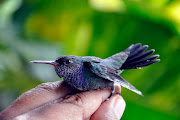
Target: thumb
111,109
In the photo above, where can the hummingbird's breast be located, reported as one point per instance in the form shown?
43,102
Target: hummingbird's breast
73,76
82,78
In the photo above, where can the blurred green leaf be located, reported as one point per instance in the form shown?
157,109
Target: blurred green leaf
45,29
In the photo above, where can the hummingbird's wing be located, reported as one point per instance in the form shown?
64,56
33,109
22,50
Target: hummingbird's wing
117,59
139,57
133,57
110,74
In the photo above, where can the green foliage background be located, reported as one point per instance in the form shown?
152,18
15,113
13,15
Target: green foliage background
46,29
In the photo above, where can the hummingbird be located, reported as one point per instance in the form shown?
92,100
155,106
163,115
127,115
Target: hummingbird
92,73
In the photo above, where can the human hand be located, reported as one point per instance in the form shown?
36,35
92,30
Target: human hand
51,101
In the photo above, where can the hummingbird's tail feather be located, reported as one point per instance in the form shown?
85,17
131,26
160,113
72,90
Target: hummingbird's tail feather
120,80
138,57
129,86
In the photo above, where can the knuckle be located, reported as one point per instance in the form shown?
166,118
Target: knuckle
50,87
76,100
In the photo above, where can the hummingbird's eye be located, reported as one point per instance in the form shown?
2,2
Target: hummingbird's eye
68,61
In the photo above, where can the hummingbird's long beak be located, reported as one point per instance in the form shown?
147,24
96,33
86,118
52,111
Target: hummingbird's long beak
44,62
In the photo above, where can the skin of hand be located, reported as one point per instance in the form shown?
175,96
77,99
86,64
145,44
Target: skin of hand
52,101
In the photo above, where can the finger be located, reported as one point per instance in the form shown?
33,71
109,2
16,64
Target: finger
110,110
77,107
117,88
36,97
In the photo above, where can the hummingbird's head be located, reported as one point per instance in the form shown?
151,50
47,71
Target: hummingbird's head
67,65
64,65
66,60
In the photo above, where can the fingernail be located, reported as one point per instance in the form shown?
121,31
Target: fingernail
119,106
117,88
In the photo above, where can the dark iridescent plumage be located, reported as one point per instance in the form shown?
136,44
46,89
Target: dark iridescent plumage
91,73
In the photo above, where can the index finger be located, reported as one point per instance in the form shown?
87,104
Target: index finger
77,107
36,97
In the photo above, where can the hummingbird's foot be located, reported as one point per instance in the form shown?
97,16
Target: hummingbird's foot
117,93
110,96
113,92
